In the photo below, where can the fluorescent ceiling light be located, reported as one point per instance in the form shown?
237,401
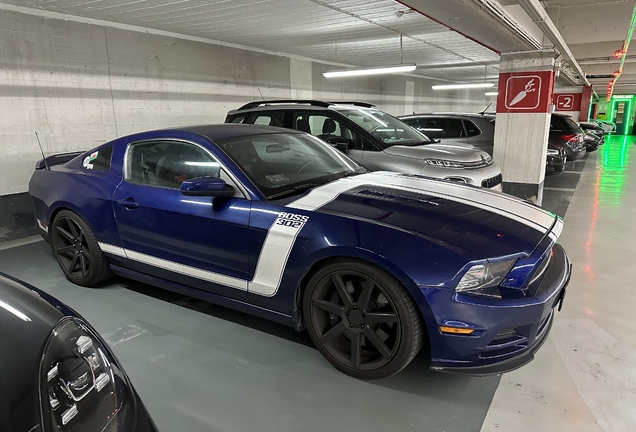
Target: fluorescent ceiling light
491,93
462,86
407,67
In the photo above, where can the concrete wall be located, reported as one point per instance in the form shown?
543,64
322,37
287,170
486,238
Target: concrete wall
80,84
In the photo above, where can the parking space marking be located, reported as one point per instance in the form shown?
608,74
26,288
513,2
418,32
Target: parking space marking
550,188
123,334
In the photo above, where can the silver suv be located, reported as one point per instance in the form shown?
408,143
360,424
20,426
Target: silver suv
375,139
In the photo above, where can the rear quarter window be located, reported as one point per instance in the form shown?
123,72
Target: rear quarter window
98,160
471,128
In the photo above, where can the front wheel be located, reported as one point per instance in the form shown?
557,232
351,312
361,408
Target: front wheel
362,319
77,251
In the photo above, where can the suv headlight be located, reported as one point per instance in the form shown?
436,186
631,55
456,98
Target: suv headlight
484,275
443,163
82,387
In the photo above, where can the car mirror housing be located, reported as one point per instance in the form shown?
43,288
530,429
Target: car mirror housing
206,186
342,144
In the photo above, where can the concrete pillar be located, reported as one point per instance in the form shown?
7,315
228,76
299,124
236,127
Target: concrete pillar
586,99
524,103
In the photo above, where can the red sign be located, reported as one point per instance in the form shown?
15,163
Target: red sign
525,92
567,101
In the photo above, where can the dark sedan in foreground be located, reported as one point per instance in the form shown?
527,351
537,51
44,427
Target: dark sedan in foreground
56,372
277,223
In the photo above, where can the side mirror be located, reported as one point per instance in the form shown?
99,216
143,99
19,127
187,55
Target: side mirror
340,143
437,141
206,186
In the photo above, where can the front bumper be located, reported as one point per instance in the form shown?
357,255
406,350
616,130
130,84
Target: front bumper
507,332
556,162
486,176
575,154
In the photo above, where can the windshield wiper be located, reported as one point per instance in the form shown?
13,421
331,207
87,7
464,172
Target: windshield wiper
295,190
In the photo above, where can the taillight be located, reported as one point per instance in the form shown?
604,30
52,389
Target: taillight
568,137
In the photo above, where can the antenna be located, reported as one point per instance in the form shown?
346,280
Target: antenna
259,90
42,151
484,111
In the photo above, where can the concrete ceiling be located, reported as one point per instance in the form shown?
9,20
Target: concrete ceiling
594,29
352,32
367,33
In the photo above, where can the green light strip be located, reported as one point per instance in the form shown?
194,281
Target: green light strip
625,47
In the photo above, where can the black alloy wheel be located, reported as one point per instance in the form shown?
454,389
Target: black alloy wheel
362,319
77,251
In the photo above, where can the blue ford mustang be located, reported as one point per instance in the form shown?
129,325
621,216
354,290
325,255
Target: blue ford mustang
276,223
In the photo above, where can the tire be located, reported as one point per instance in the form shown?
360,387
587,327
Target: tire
77,251
362,320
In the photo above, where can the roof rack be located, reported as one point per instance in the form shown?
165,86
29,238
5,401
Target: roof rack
319,103
283,101
360,104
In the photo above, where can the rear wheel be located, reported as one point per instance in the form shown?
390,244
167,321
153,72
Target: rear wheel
362,319
77,251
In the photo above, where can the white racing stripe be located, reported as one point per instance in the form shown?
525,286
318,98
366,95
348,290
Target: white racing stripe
282,234
272,260
111,249
188,270
503,204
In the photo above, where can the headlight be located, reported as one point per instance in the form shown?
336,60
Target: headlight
81,386
443,163
484,275
552,152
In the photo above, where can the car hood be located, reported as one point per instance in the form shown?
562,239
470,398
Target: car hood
26,322
481,221
455,152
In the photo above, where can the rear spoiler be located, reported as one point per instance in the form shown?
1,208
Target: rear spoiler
57,159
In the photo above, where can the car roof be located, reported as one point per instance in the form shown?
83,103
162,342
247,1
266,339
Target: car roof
229,130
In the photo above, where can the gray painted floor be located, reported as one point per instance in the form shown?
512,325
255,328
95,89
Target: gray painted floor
200,367
558,189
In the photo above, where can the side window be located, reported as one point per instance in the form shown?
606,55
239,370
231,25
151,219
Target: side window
432,128
326,127
452,128
413,122
270,118
99,160
471,128
168,164
238,119
317,125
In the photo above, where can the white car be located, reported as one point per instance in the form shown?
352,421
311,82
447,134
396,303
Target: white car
606,125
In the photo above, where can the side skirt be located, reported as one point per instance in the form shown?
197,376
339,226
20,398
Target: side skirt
206,296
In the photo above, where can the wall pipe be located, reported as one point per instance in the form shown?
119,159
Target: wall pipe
540,17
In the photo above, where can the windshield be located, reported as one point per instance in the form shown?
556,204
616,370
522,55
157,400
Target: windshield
389,130
283,164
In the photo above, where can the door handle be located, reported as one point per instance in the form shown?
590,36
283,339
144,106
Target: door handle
129,203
